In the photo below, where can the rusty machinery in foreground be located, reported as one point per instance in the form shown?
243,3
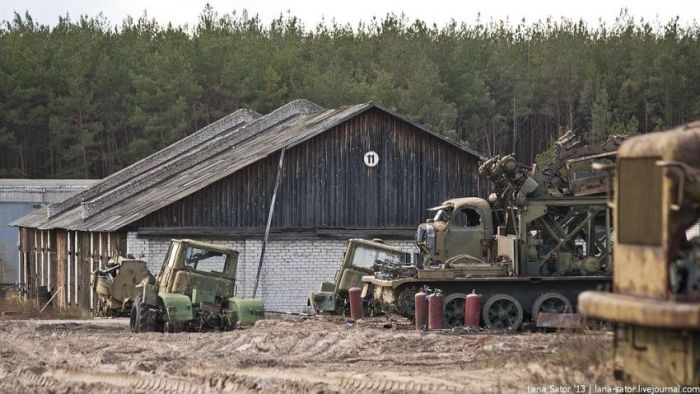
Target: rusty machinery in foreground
655,303
539,240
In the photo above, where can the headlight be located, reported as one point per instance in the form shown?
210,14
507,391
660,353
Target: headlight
420,233
430,238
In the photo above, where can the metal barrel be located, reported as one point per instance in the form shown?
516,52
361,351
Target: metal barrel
472,310
421,310
436,316
356,308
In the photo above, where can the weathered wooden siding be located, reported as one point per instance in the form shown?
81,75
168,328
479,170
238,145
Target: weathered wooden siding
63,257
325,183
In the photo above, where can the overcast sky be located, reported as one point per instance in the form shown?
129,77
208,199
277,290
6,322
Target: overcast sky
311,12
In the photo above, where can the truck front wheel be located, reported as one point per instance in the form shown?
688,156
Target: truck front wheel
139,318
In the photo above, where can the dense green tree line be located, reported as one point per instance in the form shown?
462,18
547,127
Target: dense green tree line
85,98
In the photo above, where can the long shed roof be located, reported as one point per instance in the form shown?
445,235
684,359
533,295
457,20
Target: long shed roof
193,163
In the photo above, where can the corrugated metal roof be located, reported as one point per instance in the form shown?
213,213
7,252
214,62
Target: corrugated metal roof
178,171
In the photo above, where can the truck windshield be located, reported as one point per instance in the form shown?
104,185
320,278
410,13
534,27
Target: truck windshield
205,260
365,257
443,215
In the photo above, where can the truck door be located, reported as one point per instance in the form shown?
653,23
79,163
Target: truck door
465,233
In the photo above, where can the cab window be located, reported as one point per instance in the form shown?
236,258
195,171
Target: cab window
205,260
467,217
365,257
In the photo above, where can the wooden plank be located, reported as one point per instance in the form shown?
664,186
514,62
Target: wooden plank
62,268
51,257
92,268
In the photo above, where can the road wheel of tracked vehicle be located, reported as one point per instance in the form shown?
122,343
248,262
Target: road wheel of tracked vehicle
453,310
551,302
502,312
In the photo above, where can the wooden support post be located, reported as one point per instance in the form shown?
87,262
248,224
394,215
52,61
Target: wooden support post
100,249
70,261
92,268
269,222
19,256
36,262
48,257
75,261
62,279
43,260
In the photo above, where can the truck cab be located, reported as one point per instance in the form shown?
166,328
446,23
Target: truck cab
203,272
461,227
360,257
194,291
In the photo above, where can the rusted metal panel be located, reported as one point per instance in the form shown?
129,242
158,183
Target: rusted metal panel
560,320
643,311
658,357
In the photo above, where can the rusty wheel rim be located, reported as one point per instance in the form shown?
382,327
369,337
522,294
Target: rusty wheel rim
453,310
503,312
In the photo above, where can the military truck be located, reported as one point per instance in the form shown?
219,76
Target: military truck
194,291
540,239
655,303
361,258
115,285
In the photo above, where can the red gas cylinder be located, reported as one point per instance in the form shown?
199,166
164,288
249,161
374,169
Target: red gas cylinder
472,310
436,316
356,309
421,314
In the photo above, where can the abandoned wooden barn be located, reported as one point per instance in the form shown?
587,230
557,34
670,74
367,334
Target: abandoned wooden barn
356,171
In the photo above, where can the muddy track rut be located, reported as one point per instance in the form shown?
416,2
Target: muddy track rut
315,355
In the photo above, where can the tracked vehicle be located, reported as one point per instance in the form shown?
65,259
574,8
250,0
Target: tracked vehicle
538,241
655,303
194,291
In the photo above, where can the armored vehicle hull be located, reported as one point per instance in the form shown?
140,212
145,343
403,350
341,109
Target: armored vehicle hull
507,302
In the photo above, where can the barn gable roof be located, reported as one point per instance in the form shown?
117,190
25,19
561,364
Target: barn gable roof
195,162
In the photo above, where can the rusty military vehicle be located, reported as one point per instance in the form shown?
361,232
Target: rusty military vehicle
655,303
194,291
115,285
539,240
361,258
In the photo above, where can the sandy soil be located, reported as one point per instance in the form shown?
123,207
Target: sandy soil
300,355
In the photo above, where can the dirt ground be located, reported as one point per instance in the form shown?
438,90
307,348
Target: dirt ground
295,355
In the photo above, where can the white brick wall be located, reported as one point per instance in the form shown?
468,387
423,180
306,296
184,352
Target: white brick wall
292,269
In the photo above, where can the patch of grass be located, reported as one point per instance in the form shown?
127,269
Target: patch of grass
495,361
574,358
12,306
